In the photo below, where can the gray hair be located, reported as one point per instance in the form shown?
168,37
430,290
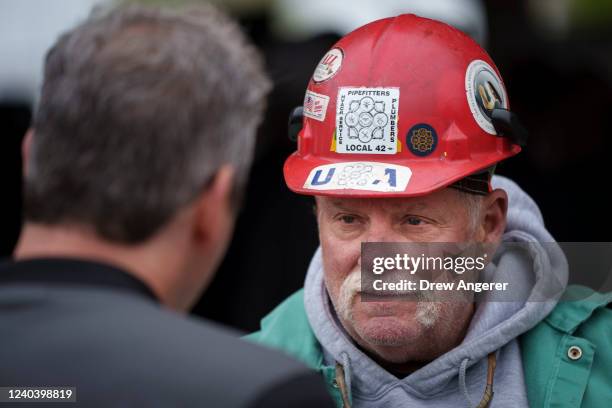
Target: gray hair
473,206
139,109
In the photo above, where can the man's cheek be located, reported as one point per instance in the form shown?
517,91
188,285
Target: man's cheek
334,275
341,268
336,259
345,256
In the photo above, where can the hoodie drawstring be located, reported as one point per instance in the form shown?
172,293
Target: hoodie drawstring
343,379
341,382
488,393
462,386
346,366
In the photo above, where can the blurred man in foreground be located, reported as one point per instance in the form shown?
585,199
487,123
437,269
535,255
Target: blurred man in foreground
135,164
404,122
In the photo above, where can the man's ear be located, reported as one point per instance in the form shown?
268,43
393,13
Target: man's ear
493,216
214,208
25,149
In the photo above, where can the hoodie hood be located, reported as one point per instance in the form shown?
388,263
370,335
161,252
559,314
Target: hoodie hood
459,376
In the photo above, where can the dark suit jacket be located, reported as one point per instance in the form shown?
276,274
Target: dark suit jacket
94,327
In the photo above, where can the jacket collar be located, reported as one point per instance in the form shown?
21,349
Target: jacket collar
577,306
69,272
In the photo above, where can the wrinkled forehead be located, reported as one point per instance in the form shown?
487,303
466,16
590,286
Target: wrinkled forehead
442,199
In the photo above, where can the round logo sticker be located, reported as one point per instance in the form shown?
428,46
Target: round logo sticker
485,91
329,65
422,139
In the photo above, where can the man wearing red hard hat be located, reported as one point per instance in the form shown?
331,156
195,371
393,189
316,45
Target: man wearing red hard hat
403,122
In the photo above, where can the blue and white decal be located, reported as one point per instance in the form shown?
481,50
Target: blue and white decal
369,176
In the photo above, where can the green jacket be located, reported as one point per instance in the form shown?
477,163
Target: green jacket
556,374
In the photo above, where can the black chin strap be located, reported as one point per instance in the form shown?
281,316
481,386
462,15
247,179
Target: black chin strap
295,122
507,124
477,183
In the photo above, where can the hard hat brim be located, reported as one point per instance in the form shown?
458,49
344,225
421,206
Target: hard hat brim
425,176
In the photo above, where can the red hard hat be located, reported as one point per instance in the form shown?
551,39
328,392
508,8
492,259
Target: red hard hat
401,107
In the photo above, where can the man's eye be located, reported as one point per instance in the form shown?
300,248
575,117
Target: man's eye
348,219
414,221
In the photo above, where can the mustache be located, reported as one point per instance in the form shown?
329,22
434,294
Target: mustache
428,311
348,290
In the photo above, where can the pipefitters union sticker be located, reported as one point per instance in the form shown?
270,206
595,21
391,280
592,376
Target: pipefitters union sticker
371,176
485,91
366,120
315,105
329,65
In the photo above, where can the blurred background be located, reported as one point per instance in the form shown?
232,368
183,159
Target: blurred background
554,55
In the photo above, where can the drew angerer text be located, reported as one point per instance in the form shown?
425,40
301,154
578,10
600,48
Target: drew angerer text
423,284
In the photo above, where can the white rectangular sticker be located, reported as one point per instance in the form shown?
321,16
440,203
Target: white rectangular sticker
366,120
315,105
371,176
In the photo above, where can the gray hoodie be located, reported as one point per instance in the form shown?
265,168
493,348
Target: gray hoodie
457,378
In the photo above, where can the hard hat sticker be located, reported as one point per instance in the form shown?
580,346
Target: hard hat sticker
371,176
366,120
485,91
422,139
329,65
315,105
